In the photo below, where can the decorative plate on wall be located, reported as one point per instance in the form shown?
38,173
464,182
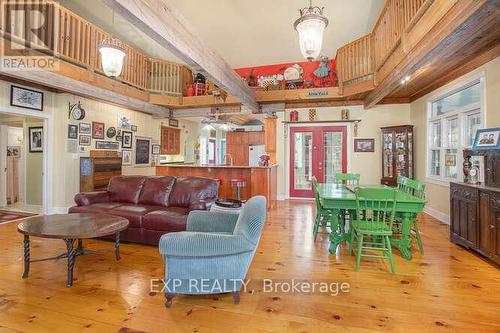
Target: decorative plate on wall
111,132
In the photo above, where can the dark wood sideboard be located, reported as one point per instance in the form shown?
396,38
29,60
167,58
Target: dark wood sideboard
475,209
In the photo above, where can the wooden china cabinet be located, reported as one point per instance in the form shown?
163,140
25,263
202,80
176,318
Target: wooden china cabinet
475,209
397,153
170,141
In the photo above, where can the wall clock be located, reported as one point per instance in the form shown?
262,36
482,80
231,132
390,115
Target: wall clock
76,111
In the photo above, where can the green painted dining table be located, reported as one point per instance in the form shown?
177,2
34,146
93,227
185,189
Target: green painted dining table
339,197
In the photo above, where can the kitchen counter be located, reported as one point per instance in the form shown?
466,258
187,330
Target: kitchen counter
188,165
259,180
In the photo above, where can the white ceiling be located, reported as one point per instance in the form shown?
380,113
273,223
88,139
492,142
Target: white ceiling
245,33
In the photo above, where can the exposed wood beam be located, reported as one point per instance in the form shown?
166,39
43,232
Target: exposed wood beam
160,21
465,21
86,88
467,67
322,104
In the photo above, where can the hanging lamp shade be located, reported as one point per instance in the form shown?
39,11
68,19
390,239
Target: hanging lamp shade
112,56
310,26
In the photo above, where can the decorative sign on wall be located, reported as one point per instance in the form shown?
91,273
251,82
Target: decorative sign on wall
142,149
111,145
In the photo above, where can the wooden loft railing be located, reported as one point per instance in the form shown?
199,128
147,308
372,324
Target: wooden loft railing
393,21
361,59
354,61
76,41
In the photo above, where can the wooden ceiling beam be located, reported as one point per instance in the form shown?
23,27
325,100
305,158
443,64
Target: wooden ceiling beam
465,21
468,66
164,24
90,88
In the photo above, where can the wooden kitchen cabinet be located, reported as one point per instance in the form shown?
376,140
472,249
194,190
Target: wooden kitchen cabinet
237,144
475,218
270,134
170,143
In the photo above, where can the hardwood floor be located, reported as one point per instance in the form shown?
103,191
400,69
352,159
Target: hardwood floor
446,289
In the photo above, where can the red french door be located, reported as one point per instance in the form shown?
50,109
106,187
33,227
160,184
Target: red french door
319,151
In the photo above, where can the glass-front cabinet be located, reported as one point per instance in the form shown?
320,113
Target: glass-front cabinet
397,153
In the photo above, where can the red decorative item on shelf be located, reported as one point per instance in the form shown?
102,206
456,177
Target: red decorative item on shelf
190,91
199,89
294,116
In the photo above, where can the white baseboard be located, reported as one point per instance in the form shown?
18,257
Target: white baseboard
445,218
282,197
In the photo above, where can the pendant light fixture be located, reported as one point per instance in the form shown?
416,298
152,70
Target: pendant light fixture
310,26
112,55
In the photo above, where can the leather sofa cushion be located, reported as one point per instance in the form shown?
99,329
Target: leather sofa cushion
94,208
156,191
170,219
190,189
125,188
132,213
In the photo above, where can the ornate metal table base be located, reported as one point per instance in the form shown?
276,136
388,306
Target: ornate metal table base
71,253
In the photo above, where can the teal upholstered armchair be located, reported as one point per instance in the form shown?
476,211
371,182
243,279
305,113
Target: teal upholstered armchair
214,254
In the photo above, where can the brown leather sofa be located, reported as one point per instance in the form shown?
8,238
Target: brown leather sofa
154,205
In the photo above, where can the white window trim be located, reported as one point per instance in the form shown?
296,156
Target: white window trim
462,114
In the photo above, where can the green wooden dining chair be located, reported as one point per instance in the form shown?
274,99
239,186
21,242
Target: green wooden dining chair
350,179
323,215
372,229
417,189
347,179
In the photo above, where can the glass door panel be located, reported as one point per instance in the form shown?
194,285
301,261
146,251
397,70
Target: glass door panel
387,159
332,156
318,151
302,160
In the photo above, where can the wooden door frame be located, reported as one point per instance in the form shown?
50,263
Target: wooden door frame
287,130
48,144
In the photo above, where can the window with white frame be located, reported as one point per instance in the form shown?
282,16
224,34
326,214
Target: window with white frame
453,121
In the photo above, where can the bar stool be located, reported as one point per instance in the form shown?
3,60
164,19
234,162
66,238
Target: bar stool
238,183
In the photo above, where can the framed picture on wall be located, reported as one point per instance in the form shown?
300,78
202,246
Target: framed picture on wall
133,128
36,139
142,151
85,140
72,132
126,139
97,130
173,122
26,98
155,149
487,138
126,157
85,128
364,145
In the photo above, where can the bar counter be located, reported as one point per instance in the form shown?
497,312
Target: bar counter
259,180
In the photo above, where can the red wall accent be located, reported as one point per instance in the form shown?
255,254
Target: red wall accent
308,66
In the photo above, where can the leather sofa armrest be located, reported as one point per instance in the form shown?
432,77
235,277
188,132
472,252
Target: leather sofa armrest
203,204
89,198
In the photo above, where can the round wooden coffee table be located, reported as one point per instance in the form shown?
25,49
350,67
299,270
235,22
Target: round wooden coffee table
71,228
